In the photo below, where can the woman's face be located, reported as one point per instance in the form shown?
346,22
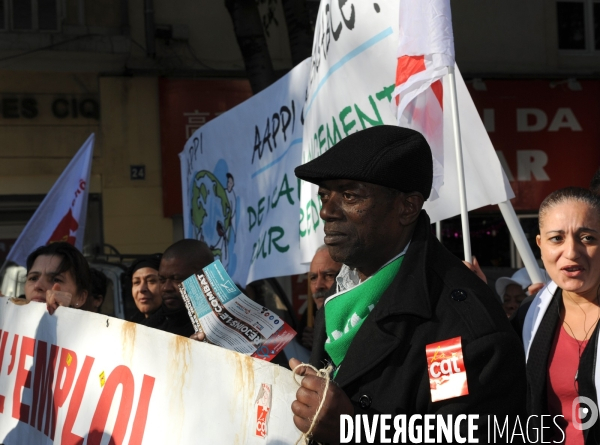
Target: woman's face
569,242
146,290
43,276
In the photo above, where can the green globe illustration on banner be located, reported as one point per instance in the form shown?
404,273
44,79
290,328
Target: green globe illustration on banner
213,215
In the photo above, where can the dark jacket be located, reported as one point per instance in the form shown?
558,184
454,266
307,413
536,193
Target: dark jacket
537,367
434,297
176,322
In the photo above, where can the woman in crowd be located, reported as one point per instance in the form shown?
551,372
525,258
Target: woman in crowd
145,286
560,330
58,275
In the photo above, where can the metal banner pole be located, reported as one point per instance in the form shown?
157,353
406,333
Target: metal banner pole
464,213
518,236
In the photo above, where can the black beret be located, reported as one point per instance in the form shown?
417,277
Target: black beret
387,155
152,261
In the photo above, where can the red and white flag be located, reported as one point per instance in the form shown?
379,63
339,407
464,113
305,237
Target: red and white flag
61,215
425,51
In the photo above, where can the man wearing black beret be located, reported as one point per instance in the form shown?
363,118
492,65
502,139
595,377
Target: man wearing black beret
410,330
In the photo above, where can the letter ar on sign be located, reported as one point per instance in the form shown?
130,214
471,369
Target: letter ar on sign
530,165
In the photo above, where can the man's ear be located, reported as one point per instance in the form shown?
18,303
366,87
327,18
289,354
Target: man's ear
412,203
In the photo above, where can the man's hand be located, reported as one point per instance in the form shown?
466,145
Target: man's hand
307,337
308,399
55,297
534,288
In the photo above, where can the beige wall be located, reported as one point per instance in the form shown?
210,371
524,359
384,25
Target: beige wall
33,152
132,209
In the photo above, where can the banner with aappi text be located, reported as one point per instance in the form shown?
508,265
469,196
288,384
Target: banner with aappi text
349,89
353,75
240,194
76,377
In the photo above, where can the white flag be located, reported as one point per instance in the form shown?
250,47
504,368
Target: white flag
425,51
61,215
485,181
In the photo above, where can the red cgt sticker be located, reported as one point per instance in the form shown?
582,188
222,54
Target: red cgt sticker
263,408
447,372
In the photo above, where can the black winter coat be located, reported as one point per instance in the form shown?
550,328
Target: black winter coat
434,297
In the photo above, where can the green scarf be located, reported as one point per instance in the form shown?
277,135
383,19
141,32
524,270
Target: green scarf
345,313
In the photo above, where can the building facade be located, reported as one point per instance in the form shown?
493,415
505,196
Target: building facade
117,68
143,74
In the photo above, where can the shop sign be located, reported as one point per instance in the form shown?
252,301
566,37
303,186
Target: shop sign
33,108
545,134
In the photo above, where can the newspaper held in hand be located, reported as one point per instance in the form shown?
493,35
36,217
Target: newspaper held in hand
230,319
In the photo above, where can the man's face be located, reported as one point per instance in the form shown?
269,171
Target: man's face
172,272
230,184
321,275
362,226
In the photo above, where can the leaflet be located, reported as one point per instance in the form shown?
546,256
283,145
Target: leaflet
230,319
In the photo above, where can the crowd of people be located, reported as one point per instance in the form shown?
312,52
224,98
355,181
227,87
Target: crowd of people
385,290
59,275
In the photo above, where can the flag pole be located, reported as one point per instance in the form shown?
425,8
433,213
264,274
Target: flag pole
518,236
464,213
438,231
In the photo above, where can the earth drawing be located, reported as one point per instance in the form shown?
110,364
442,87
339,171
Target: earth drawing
213,215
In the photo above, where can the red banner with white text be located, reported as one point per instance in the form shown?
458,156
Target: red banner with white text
545,132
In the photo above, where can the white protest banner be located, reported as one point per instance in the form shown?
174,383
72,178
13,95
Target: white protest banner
240,194
77,377
351,82
61,215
